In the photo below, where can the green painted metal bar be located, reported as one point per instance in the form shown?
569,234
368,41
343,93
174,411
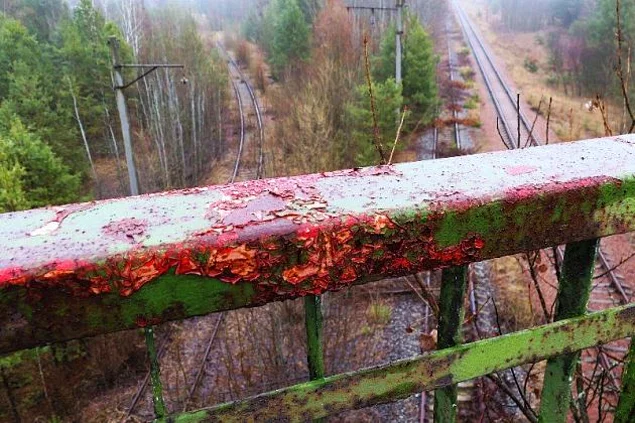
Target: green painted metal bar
160,410
625,412
401,379
313,322
80,270
315,343
573,295
451,314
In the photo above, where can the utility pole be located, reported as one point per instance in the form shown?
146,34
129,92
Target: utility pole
399,5
398,36
123,116
119,87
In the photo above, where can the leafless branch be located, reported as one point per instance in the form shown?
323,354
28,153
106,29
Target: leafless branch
392,152
620,69
624,260
531,261
548,121
533,124
373,110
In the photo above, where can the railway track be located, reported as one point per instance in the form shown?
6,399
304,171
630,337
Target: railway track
609,290
451,71
239,172
515,125
241,85
238,80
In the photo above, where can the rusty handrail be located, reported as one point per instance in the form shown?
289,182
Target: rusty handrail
147,259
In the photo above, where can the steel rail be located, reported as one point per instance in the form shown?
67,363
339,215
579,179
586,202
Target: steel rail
488,85
242,134
199,374
254,100
467,23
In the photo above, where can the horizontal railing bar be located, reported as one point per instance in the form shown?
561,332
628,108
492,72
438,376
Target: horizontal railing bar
403,378
81,270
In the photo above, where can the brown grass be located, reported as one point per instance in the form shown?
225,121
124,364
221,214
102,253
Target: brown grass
570,120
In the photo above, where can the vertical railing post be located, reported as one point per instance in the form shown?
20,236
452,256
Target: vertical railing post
155,375
313,321
315,351
574,289
625,412
451,313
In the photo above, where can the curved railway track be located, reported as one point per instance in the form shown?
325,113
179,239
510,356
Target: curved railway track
237,75
239,172
259,173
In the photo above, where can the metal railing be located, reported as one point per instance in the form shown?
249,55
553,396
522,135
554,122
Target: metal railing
80,270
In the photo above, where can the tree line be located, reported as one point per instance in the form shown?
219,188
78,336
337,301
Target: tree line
322,100
60,138
580,36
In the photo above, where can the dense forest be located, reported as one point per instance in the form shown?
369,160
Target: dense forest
317,57
580,37
60,135
61,139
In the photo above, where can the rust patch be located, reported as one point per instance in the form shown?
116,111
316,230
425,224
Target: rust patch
128,229
627,315
314,259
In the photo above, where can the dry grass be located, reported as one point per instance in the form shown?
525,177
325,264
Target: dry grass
512,294
570,120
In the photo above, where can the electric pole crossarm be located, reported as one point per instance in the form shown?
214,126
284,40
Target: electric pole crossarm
119,87
399,5
143,75
370,8
151,65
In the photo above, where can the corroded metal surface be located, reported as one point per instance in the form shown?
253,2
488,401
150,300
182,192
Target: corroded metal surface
574,288
401,379
451,314
147,259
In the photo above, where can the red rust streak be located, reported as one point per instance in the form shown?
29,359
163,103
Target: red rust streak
334,256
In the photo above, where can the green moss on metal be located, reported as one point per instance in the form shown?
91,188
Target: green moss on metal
625,412
389,383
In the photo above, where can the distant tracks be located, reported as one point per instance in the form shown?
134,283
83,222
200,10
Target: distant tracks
502,97
238,172
237,73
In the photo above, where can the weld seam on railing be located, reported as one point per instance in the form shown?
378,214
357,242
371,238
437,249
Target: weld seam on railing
438,369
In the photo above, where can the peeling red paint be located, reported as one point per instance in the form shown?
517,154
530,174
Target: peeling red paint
288,237
129,229
337,254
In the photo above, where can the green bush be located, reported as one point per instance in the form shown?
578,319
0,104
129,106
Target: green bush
531,65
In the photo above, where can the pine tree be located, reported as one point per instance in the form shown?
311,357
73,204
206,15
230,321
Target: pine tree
384,64
43,178
420,89
291,43
12,196
388,98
